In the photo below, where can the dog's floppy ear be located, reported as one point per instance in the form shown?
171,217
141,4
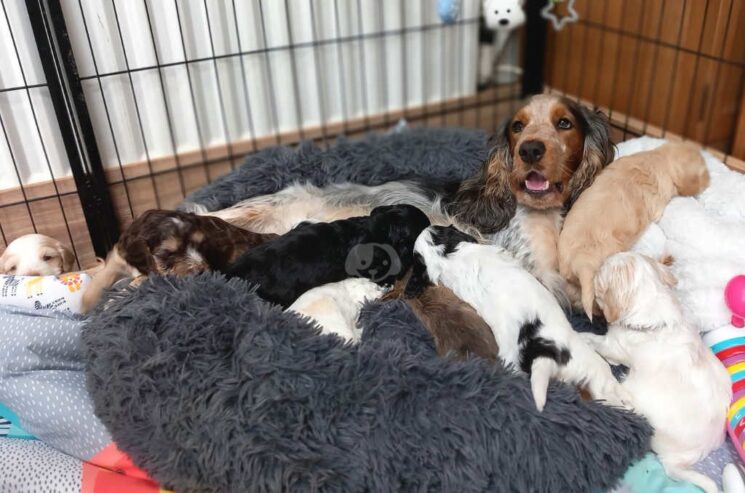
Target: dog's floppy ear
485,200
68,259
613,288
662,269
5,260
598,149
400,225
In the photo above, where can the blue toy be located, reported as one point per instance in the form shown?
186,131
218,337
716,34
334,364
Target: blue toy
448,10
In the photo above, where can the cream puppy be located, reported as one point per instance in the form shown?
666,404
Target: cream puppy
36,255
675,381
336,306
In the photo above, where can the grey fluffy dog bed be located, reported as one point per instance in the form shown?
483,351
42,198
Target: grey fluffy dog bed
208,388
439,154
225,392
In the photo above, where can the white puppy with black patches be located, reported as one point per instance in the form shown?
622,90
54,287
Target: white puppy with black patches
336,306
674,380
531,330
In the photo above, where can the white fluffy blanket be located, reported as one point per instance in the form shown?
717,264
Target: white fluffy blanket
705,235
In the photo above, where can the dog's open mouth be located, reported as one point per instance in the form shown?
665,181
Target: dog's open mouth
536,183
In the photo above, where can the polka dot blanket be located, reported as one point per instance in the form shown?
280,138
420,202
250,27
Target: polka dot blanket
43,399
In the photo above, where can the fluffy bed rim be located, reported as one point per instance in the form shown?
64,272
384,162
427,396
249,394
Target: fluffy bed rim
228,393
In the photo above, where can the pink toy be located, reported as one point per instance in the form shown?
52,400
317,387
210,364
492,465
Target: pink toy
734,296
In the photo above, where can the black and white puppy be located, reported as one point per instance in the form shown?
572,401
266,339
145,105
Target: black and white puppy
378,247
529,326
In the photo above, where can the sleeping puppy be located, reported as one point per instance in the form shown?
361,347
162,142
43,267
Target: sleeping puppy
336,306
457,329
36,255
529,326
171,242
377,247
626,197
674,380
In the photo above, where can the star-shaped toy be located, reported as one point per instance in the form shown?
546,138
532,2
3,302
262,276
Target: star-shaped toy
559,21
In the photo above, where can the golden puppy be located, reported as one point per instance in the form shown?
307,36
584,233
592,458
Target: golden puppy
625,198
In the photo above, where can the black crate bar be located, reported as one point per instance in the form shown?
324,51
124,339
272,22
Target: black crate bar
75,126
534,50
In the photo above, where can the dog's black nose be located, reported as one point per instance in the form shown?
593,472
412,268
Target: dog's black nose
532,151
503,22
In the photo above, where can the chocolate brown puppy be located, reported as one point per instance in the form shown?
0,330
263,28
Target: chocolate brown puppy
458,331
172,242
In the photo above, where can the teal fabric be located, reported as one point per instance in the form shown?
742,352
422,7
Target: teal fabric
648,476
12,429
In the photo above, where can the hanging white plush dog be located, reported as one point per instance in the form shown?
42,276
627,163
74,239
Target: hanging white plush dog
502,17
504,14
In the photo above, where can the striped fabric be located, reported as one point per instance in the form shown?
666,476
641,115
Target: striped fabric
728,344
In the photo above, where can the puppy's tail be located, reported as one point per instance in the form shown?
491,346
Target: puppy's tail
586,277
732,481
540,373
114,269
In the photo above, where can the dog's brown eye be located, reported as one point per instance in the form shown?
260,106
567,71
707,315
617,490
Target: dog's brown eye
564,124
46,258
517,127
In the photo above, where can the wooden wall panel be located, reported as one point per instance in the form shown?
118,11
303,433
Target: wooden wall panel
672,64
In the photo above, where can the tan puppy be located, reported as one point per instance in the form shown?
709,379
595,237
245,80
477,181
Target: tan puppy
625,198
36,255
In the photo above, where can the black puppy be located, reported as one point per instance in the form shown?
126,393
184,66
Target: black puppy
378,247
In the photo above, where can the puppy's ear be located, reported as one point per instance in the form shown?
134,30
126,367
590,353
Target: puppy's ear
666,276
5,261
400,226
485,200
68,259
613,289
401,237
597,153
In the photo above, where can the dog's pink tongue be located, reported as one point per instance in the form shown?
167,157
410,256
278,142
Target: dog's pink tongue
535,182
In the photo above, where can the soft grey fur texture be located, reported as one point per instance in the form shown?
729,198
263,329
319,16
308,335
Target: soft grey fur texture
224,392
441,154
